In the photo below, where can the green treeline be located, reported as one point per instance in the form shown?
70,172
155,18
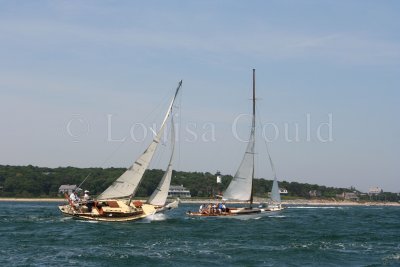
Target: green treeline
31,181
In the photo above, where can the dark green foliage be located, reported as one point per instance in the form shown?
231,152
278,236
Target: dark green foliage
30,181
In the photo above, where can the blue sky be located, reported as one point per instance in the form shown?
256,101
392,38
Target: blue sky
78,62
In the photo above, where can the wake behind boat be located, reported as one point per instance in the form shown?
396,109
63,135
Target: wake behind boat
116,203
241,186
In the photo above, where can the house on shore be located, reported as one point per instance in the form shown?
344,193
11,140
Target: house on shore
178,191
314,193
283,191
348,196
373,191
68,188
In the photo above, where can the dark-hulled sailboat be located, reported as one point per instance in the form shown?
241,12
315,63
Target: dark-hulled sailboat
241,186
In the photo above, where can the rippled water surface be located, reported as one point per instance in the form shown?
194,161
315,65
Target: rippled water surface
37,234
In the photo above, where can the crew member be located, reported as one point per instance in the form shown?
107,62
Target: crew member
86,196
74,197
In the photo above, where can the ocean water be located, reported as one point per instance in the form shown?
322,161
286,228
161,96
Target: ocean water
36,234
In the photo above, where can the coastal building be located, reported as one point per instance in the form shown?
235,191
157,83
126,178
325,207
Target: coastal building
348,196
67,188
314,193
283,191
219,178
178,191
375,191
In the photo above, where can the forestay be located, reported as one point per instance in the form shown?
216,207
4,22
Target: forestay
160,194
128,182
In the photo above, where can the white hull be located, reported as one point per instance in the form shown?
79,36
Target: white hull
169,206
274,207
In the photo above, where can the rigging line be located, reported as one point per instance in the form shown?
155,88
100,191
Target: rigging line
167,116
111,155
83,181
178,130
266,146
151,117
159,156
164,100
161,150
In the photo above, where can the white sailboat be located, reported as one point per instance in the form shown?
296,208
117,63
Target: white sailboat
241,186
115,203
275,203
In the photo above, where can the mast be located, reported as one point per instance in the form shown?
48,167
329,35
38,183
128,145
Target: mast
156,140
253,125
126,185
241,186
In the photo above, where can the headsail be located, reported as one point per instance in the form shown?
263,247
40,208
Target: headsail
160,194
275,193
128,182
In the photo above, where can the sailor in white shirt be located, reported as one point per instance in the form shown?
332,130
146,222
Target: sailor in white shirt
86,197
74,197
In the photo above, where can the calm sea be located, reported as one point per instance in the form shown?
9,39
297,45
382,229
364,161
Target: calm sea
36,234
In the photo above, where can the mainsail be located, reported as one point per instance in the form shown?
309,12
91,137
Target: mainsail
240,187
125,186
160,194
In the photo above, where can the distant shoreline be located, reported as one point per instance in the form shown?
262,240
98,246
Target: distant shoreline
314,202
16,199
306,202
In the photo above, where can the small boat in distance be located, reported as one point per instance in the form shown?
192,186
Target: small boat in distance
275,203
116,203
241,186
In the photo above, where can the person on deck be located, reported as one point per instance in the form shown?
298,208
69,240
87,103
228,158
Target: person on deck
86,196
88,201
214,208
223,207
219,208
201,208
74,197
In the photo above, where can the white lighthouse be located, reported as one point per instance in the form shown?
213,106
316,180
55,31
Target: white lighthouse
219,179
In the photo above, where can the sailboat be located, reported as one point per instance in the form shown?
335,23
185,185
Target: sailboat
116,203
241,186
275,202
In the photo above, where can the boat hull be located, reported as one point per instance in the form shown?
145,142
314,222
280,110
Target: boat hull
108,211
167,207
233,212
